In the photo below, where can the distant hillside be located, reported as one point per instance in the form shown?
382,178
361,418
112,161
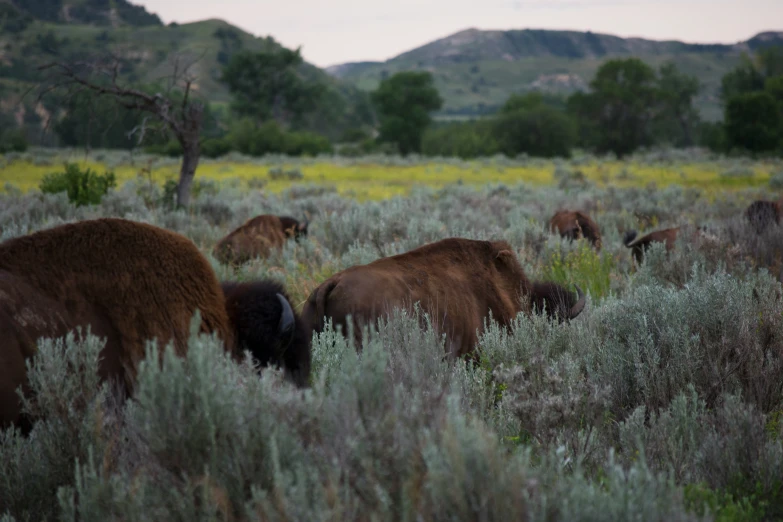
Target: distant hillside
74,29
477,70
112,13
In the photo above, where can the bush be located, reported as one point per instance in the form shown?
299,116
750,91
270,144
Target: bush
464,140
270,138
215,147
84,187
13,140
538,131
171,148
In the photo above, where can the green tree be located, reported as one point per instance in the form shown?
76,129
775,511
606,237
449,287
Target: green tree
677,117
404,102
753,102
466,139
96,121
620,109
532,124
753,122
743,79
268,86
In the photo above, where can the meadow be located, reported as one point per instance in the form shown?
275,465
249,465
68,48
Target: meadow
662,401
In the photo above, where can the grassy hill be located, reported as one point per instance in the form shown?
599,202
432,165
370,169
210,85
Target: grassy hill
34,35
477,70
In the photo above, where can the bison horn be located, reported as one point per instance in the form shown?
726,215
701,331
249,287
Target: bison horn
580,303
286,325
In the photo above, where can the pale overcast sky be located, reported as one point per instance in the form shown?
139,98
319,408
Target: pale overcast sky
338,31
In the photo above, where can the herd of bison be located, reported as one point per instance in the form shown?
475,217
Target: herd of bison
130,282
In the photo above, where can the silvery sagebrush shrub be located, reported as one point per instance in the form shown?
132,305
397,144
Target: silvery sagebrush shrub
69,404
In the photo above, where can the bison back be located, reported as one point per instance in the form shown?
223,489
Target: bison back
136,281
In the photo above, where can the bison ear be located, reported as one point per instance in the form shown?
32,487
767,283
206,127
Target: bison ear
506,256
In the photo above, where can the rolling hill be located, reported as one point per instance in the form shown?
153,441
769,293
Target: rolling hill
475,70
37,31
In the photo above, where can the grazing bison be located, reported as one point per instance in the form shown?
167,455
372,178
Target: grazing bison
641,244
575,224
761,214
257,237
129,282
265,325
458,282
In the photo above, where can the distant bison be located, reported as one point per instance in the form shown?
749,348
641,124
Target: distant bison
639,245
761,214
130,282
458,282
258,237
265,324
574,224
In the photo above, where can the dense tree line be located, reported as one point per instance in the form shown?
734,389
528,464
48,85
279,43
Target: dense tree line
630,105
279,106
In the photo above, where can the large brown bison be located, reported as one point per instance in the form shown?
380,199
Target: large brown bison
257,237
458,282
761,214
265,324
129,282
575,224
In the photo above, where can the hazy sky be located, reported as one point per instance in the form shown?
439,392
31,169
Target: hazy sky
337,31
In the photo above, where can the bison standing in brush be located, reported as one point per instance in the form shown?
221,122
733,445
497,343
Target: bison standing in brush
458,282
258,237
639,245
761,214
575,224
128,282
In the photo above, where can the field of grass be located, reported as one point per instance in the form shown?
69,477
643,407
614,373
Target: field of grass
381,177
662,401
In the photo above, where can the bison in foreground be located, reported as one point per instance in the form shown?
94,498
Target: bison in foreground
458,282
258,237
574,224
265,324
129,282
762,214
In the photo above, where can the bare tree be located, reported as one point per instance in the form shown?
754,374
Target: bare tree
173,106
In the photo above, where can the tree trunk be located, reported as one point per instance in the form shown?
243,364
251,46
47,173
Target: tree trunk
189,137
190,156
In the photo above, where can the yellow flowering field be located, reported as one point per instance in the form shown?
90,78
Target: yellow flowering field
378,179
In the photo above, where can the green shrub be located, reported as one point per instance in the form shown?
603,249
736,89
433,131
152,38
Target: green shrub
584,267
84,187
13,140
215,147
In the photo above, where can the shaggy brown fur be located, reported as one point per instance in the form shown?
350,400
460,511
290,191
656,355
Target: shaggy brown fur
639,245
761,214
257,237
457,282
130,282
575,224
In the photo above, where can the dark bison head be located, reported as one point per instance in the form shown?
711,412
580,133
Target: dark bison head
266,326
293,228
761,214
558,302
